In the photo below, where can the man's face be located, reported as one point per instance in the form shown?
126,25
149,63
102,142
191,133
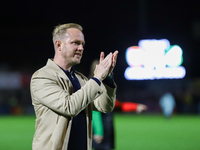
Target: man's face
72,46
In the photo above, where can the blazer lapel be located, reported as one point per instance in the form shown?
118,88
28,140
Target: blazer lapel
62,77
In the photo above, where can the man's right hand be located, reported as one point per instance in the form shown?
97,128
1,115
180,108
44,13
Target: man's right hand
102,69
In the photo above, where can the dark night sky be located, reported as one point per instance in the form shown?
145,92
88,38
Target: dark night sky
26,28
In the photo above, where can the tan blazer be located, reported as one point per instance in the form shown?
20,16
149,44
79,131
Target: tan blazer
55,105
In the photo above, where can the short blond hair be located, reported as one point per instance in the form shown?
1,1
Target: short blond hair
60,30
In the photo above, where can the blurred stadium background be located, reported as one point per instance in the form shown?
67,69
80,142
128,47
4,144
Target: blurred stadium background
26,45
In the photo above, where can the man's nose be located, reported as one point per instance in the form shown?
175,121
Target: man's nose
80,47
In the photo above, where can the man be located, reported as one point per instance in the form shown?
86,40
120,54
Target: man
64,99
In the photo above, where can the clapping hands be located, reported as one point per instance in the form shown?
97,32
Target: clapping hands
106,65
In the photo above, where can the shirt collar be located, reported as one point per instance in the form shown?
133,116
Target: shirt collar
72,71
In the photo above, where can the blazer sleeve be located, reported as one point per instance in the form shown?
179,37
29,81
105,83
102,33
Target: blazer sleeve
106,101
46,91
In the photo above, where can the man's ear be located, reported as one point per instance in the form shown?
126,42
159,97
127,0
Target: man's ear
58,45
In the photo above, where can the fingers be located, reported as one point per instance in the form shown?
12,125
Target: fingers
114,60
109,61
114,57
101,57
115,53
102,69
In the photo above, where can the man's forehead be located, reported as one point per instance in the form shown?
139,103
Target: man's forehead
75,35
74,32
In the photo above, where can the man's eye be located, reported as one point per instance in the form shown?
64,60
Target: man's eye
76,43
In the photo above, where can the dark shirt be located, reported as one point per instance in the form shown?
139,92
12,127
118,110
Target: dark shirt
78,134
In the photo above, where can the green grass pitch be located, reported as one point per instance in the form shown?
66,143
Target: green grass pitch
154,132
132,132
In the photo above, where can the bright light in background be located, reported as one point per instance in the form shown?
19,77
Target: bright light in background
135,56
174,56
154,59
